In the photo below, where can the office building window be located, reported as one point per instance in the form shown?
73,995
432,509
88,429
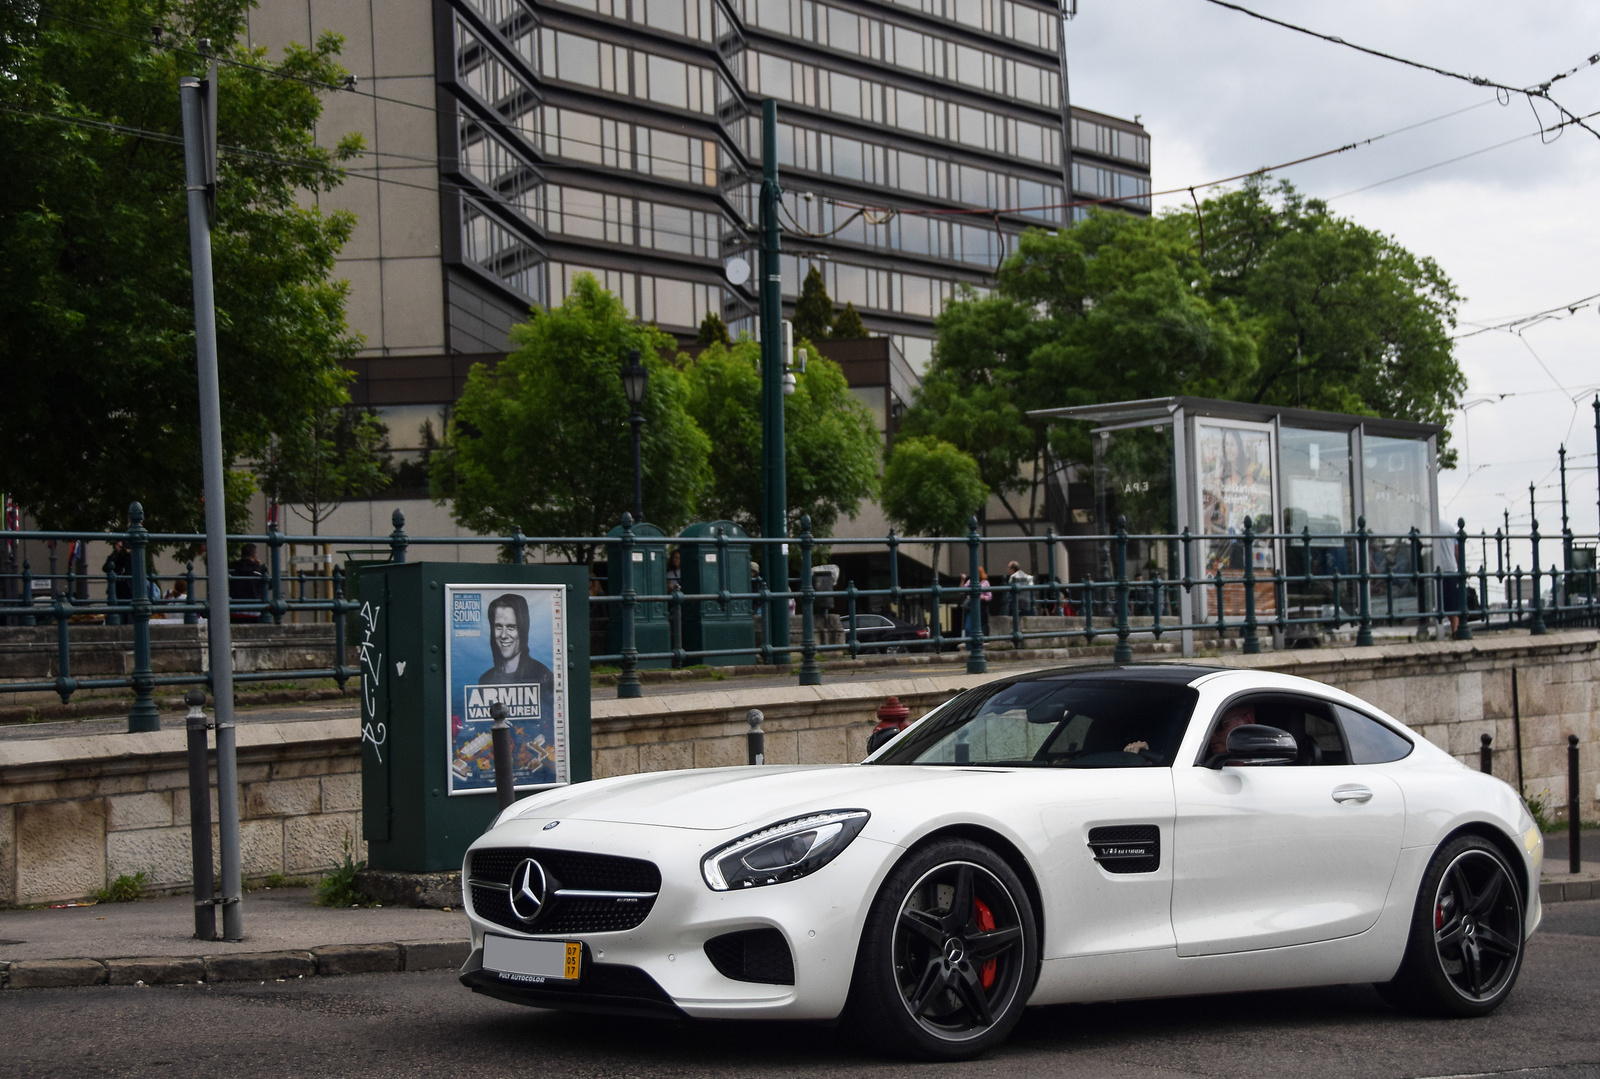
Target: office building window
698,19
871,288
621,70
937,237
1105,183
1003,18
500,252
666,154
1110,141
618,219
648,298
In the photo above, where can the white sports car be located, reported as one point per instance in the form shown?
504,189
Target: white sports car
1071,835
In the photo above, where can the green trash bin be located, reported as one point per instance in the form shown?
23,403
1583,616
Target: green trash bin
652,632
708,624
439,643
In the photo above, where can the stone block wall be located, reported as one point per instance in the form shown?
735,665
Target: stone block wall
76,813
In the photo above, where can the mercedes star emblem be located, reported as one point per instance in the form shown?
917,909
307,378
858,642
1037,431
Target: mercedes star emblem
528,888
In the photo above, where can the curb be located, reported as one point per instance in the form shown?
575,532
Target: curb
1568,891
325,961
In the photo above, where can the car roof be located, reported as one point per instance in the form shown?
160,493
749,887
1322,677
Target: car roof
1181,674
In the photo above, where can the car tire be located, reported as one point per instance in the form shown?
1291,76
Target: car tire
1467,940
895,649
948,957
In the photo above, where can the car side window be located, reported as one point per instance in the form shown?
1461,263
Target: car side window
1370,741
871,621
1307,719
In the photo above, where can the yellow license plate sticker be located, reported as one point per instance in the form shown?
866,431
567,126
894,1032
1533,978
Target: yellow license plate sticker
574,951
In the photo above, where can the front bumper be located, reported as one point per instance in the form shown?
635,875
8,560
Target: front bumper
661,966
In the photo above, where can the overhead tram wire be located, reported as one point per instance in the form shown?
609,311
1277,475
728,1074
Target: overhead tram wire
1549,314
1540,91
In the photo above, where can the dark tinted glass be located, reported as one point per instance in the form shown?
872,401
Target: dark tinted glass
1095,722
1370,741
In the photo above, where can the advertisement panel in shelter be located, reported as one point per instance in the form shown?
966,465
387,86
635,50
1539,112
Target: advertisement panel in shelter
506,645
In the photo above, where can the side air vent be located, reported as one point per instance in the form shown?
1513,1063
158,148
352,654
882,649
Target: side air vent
1127,848
753,955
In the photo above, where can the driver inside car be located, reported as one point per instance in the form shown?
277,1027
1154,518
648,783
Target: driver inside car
1237,716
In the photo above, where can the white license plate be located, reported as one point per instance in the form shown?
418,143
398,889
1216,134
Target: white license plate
532,960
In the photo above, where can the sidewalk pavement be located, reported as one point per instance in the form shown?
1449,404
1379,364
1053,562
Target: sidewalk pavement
286,937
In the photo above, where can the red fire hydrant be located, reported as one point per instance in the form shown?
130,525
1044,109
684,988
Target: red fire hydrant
893,717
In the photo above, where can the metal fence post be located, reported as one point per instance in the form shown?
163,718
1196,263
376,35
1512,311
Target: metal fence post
397,539
1574,807
755,741
1463,612
28,618
852,641
66,685
1123,653
1363,585
1536,627
113,618
1485,754
505,781
894,574
519,544
144,716
628,685
341,673
190,618
205,888
275,604
810,673
977,663
1052,595
1252,642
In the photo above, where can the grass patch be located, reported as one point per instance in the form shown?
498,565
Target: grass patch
125,889
338,888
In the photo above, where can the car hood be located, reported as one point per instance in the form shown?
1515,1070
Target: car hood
717,799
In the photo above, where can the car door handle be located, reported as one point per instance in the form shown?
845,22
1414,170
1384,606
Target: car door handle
1351,792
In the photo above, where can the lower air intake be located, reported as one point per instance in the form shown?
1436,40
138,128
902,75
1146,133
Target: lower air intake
752,955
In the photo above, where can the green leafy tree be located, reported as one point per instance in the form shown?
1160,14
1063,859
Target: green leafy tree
96,313
931,488
848,326
1344,318
813,312
833,449
1111,309
542,441
335,455
713,331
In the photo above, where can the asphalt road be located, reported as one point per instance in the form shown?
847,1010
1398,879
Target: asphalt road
394,1025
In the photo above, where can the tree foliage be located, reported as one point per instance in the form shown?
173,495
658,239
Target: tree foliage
813,312
931,488
542,441
1282,302
340,454
848,325
96,313
713,331
832,448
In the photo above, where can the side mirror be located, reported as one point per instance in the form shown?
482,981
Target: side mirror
1257,743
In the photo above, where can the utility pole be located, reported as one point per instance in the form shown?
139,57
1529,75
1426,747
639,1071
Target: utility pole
199,100
774,484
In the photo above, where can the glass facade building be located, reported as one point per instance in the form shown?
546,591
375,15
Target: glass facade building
622,138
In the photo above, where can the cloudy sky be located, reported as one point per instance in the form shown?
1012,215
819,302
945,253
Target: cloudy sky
1517,228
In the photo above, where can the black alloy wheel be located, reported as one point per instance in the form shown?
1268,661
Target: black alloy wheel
949,955
1467,935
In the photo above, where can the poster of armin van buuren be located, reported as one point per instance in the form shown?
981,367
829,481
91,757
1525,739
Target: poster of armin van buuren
507,644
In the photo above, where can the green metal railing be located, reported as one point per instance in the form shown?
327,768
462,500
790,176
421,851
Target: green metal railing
1121,608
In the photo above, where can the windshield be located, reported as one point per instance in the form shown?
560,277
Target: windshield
1061,722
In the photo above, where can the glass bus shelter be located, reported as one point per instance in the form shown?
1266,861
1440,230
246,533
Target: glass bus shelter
1174,463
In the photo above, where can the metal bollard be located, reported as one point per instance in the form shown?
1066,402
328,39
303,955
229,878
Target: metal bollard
1485,755
205,902
1574,817
505,784
757,740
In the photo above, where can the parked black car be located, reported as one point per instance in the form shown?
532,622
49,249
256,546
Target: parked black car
883,634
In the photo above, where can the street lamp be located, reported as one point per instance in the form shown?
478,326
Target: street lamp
635,376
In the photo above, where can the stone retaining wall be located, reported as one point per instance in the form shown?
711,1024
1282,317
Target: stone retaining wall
77,812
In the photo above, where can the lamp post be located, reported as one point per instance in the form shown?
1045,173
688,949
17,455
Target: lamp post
635,376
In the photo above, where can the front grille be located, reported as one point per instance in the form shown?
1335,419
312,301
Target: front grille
753,955
565,870
1127,848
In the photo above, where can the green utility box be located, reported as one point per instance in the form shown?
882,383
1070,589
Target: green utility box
440,643
652,632
710,567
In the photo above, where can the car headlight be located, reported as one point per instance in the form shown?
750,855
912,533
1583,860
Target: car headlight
784,851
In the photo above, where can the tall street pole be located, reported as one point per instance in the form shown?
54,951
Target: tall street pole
774,494
198,98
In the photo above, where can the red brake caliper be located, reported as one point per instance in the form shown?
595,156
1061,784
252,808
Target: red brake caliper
984,917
